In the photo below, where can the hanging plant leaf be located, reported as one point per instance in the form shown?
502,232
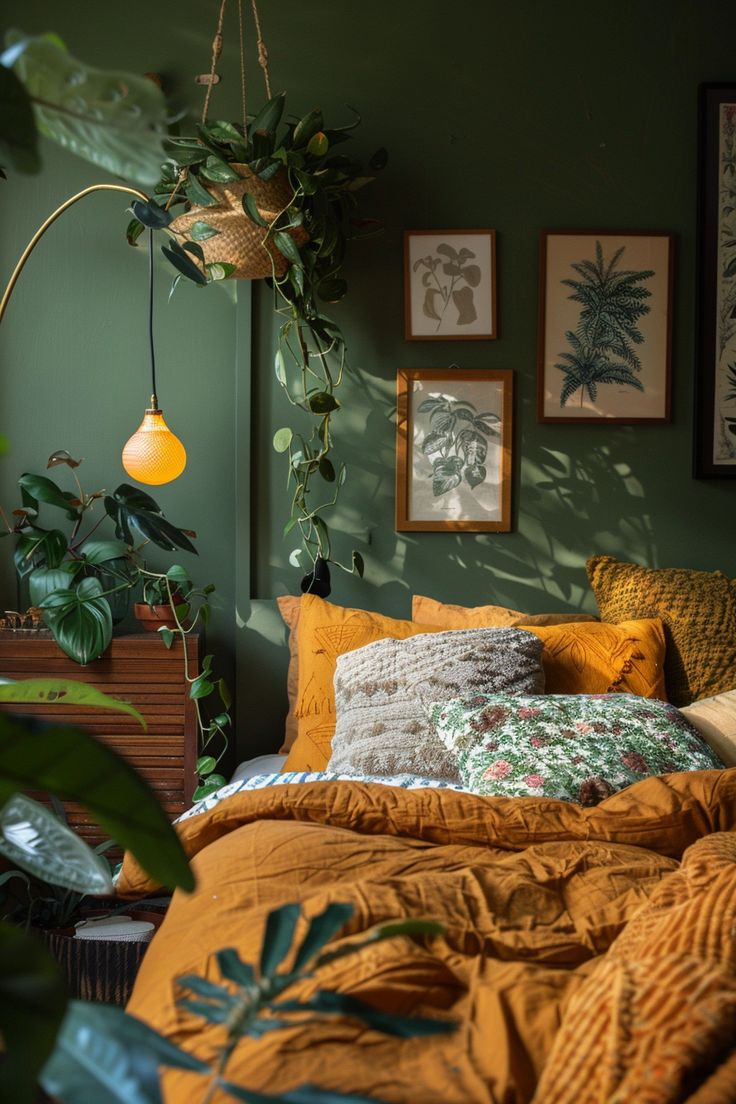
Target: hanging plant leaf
310,125
201,231
326,469
220,270
269,117
251,209
379,160
266,168
317,581
318,144
198,194
282,438
150,214
174,253
18,134
218,171
358,565
322,403
285,245
193,248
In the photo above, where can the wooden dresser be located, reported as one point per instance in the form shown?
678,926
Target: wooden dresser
139,669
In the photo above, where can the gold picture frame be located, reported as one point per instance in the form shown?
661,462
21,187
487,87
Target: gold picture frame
453,450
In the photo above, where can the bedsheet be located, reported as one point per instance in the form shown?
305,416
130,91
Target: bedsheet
533,894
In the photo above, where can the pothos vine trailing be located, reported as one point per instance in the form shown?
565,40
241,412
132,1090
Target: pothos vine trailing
305,239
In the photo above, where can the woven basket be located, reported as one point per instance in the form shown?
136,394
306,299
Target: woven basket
240,240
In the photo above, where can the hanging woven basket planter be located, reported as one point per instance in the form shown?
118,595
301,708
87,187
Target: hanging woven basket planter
239,241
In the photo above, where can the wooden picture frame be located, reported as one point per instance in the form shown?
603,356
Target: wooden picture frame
599,366
450,285
453,450
715,368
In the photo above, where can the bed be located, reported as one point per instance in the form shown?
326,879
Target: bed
589,951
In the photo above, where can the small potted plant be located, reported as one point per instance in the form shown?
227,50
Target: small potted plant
83,584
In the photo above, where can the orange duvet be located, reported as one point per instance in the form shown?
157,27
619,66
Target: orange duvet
590,954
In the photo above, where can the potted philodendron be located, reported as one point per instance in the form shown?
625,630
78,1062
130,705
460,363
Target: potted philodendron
273,200
84,584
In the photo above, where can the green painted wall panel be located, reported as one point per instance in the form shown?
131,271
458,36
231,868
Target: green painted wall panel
519,117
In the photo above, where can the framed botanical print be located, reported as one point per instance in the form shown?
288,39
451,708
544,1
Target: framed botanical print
450,285
453,450
605,326
715,370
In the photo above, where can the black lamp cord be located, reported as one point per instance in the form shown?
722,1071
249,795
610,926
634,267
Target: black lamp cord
154,397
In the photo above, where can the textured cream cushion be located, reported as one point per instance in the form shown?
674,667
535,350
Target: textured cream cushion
383,694
715,720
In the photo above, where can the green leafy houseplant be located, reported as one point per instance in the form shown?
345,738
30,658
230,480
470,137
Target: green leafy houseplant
71,765
296,198
83,584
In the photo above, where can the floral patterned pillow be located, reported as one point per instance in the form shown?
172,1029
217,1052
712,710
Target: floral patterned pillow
576,747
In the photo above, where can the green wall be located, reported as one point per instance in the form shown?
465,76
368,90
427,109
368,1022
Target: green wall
519,117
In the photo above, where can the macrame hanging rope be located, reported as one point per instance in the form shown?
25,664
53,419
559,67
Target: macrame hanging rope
217,51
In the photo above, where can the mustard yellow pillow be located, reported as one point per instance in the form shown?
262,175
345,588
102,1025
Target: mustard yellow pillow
289,607
428,611
326,632
698,609
596,658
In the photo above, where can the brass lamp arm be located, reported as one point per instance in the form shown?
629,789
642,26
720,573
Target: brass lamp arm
51,219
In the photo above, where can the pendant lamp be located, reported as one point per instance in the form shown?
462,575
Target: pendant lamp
153,454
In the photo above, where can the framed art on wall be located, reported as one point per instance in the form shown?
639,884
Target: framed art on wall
450,285
715,370
453,450
605,325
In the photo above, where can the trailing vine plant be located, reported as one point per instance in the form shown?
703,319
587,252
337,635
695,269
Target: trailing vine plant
306,241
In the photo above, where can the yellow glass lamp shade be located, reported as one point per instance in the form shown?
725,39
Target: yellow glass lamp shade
154,454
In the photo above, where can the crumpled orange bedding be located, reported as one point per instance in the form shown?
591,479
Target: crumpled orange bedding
533,894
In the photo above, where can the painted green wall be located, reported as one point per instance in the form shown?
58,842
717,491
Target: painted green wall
519,117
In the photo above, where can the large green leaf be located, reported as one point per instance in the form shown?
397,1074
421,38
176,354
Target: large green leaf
39,488
269,117
32,1003
39,545
65,692
131,508
103,1055
18,135
33,838
114,119
45,580
65,761
80,620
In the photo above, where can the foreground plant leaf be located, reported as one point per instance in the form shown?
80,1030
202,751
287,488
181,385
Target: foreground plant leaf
65,692
32,1003
33,838
73,765
114,119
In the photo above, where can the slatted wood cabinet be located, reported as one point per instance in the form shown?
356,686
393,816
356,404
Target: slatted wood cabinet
139,669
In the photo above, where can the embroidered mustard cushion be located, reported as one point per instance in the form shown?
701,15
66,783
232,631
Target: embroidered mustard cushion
698,609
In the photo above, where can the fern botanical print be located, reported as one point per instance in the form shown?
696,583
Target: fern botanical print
604,347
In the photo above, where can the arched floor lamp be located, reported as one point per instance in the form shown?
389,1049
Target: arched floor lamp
153,454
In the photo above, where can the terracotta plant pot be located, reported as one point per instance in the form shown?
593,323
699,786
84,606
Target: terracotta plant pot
152,618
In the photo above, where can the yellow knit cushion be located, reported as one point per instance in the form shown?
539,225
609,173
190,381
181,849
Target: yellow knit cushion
325,632
595,658
698,609
428,611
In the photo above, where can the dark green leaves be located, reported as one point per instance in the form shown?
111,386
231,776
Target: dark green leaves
18,134
105,1055
217,170
269,117
285,245
251,209
201,231
197,194
308,126
280,928
80,620
133,510
322,402
73,765
181,261
32,1002
39,488
151,214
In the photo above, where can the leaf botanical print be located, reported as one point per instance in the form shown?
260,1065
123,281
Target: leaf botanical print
456,442
449,278
604,347
725,438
